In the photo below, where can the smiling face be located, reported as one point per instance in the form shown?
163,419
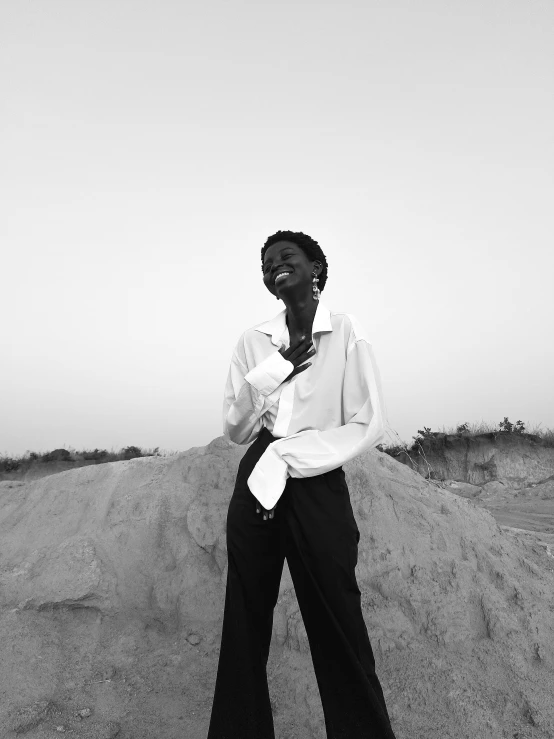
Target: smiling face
285,256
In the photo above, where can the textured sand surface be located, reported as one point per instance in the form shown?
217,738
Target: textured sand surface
112,580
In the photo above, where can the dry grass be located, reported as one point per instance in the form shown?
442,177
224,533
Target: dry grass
505,427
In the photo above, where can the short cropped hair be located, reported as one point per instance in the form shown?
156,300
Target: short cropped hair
309,246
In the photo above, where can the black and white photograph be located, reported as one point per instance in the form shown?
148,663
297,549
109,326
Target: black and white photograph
276,369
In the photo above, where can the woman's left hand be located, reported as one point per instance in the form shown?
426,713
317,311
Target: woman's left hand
267,514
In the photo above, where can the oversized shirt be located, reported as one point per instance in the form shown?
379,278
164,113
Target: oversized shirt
321,418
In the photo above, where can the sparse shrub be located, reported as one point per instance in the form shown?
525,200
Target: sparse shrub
426,433
403,451
422,435
58,455
9,464
95,454
130,452
509,427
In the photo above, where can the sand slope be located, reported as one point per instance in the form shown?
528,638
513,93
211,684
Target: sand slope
112,582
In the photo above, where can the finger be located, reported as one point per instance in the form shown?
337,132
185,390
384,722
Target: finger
300,368
298,348
307,354
294,352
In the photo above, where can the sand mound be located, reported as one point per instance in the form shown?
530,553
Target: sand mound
112,583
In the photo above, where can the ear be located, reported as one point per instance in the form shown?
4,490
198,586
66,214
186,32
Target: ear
318,267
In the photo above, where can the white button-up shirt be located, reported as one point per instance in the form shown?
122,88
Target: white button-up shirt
323,417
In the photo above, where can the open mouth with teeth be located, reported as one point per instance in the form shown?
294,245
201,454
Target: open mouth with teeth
281,276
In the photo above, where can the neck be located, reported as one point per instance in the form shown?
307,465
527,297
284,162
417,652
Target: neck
300,315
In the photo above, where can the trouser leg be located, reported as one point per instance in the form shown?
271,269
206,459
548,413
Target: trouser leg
241,706
322,552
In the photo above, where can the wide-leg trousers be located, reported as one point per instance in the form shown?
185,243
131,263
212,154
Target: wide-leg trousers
315,530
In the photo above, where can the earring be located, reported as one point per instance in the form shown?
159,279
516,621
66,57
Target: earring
317,291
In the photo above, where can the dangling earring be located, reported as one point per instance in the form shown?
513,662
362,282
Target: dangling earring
317,291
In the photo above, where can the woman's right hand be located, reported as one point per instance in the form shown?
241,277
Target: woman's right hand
298,354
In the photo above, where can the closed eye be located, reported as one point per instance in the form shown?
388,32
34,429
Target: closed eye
268,265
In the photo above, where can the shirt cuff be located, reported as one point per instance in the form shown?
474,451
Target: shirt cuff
268,478
269,374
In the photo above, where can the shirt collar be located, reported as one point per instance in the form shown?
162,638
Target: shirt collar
277,325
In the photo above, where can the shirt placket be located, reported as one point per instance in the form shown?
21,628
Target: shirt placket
286,398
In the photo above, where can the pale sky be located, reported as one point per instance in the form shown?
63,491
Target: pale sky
148,149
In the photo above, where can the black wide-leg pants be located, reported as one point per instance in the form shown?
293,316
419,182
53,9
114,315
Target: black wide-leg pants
314,528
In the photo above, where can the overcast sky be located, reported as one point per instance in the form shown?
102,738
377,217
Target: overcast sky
149,148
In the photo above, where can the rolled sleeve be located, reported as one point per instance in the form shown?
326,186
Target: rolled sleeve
269,374
268,478
249,394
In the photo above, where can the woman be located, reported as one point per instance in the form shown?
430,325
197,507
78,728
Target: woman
305,388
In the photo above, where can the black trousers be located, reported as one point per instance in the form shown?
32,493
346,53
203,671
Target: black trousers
315,529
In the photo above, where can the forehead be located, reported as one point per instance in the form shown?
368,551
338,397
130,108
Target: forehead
279,246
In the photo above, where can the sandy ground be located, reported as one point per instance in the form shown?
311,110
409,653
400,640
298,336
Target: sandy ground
112,584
